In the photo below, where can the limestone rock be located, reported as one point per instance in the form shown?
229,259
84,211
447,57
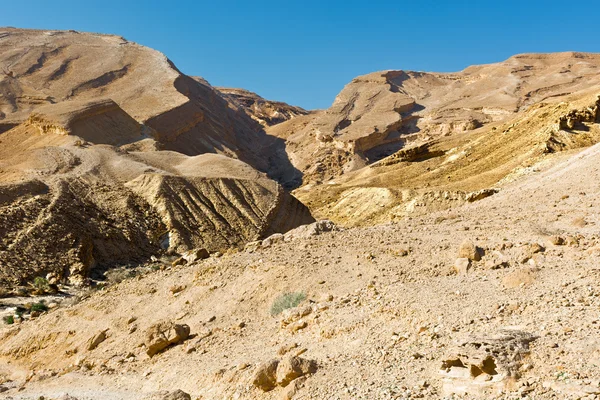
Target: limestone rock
265,377
95,340
486,362
461,265
314,229
266,112
196,255
271,240
469,250
162,335
291,367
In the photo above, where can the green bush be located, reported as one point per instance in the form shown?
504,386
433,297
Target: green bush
41,284
285,301
40,307
9,320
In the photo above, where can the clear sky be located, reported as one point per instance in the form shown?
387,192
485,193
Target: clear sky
304,52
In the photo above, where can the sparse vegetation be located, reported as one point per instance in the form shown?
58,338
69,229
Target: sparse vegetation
117,275
40,307
41,284
9,320
285,301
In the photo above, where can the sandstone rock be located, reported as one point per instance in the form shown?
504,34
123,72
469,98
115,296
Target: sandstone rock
95,340
461,265
291,367
486,362
468,250
265,377
162,335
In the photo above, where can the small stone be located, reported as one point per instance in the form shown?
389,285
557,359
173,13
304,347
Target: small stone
95,340
177,289
556,240
179,261
298,325
265,377
468,250
162,335
291,368
286,348
461,265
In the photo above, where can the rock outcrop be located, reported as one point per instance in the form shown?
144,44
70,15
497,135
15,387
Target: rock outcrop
265,112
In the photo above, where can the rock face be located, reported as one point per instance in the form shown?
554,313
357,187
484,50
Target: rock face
401,143
265,112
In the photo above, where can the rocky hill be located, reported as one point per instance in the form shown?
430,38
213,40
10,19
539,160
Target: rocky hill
110,155
399,142
180,113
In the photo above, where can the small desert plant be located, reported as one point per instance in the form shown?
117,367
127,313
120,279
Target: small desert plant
9,320
39,307
285,301
41,284
118,275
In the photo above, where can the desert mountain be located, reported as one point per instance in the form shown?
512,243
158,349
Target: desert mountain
180,113
395,141
110,155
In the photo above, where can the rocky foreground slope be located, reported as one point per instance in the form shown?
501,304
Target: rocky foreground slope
495,299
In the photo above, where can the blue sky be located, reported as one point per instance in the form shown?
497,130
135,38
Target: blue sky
304,52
